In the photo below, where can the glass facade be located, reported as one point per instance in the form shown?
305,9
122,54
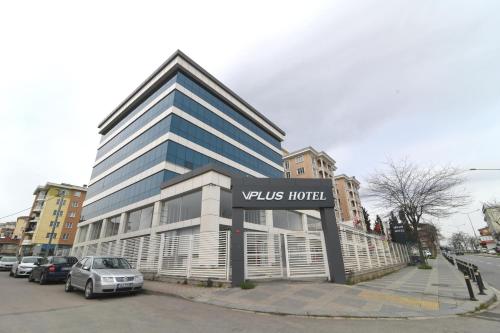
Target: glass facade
183,208
112,226
226,204
96,230
313,224
139,219
171,151
140,107
255,216
205,139
286,219
210,98
140,122
141,190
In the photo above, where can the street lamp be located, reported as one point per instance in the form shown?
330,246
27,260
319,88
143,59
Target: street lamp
476,169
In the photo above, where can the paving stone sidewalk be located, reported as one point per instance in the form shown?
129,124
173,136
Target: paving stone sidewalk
410,292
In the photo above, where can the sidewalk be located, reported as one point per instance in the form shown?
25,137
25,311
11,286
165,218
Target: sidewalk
410,292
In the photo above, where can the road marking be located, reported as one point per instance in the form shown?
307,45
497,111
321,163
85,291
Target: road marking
403,300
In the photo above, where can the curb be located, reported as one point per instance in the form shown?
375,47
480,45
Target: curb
480,308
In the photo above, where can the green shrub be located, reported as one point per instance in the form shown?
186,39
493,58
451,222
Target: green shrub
424,266
247,285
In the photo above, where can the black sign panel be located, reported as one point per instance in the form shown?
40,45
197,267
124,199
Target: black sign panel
399,233
265,193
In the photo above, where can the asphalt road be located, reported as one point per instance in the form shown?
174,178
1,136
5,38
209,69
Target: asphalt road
29,307
488,266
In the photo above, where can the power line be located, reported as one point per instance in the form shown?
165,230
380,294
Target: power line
25,209
15,213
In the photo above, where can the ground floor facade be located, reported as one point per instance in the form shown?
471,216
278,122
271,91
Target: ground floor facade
186,230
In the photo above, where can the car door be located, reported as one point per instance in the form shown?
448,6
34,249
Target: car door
76,273
86,271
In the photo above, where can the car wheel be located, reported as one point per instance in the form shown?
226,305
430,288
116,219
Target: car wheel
31,278
67,286
89,290
43,278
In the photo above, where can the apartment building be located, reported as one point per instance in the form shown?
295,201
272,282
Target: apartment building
492,218
309,163
349,202
178,120
45,214
21,225
7,229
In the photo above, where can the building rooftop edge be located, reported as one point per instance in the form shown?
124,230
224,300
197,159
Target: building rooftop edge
67,186
309,148
179,53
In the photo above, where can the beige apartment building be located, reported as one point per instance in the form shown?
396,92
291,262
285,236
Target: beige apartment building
348,196
309,163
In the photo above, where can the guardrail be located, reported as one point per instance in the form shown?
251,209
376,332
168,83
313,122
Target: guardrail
470,272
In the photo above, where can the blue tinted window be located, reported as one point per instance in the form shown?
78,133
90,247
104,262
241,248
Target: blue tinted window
141,141
164,87
140,122
222,106
141,190
201,113
140,164
203,138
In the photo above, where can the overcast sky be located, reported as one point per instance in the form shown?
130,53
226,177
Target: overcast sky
362,80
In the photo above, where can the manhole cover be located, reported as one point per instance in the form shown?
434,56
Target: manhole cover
440,285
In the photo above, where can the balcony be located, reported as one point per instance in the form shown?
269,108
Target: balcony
26,242
37,208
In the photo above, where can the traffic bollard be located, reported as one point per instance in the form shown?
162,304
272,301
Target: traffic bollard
469,288
471,272
480,283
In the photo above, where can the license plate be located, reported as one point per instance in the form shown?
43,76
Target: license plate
124,285
66,268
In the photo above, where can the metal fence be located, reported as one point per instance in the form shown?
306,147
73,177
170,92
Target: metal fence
362,251
267,255
204,255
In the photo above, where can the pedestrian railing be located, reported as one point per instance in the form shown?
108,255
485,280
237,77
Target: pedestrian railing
470,272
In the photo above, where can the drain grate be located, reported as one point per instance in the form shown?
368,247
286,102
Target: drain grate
440,285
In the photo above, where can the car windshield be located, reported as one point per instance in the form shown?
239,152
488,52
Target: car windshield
110,263
8,259
30,260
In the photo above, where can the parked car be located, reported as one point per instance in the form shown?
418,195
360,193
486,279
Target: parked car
104,275
427,253
492,251
7,262
52,269
23,266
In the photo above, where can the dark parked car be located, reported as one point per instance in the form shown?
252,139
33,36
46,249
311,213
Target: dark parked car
52,269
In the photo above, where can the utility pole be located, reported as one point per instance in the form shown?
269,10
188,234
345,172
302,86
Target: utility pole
473,230
61,195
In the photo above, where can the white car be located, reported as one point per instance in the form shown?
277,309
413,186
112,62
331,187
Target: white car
427,253
6,263
24,266
492,251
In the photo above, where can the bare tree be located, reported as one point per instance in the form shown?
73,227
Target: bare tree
418,192
459,241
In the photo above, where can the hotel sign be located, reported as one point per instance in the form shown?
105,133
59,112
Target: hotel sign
259,193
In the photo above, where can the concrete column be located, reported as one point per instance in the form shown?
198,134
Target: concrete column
89,232
269,220
123,222
210,208
156,215
103,228
209,225
154,239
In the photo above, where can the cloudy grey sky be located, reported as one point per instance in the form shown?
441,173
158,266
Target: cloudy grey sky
362,80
